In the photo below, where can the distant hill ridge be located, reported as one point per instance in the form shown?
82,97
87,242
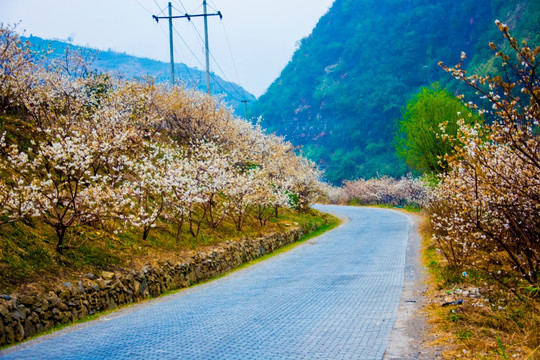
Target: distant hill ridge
132,66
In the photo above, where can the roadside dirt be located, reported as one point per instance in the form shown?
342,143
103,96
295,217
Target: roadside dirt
411,336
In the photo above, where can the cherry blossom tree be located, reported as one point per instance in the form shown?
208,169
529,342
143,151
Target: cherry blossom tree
55,182
151,192
407,191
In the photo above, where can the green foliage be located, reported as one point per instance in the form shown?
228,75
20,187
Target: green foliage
97,89
420,140
294,200
339,95
464,334
453,317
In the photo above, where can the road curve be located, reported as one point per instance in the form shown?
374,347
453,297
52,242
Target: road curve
334,297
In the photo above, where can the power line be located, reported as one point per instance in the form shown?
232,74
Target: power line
216,81
160,28
161,10
183,7
194,81
187,46
211,7
205,15
208,54
141,5
230,52
199,61
242,96
227,79
187,68
195,30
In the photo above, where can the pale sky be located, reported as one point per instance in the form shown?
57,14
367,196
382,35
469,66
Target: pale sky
262,33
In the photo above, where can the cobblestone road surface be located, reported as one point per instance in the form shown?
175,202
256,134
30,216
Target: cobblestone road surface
335,297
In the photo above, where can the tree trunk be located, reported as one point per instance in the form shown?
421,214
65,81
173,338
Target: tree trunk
60,233
179,228
146,231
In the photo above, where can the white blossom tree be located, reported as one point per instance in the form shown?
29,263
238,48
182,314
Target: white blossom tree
56,182
486,211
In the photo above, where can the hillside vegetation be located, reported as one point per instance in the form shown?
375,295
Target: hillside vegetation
347,83
133,67
100,171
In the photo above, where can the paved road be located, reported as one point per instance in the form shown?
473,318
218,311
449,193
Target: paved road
335,297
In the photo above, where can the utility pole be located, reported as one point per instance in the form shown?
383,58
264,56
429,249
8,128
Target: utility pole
207,48
245,108
171,44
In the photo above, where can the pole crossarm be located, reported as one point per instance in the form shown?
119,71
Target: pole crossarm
189,16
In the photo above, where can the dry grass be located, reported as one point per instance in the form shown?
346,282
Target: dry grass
490,324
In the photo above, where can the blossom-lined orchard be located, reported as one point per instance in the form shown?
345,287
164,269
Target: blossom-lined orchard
407,191
100,150
486,211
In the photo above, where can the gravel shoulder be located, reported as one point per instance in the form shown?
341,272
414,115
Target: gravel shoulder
411,333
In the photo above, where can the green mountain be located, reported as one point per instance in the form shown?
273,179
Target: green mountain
133,67
342,92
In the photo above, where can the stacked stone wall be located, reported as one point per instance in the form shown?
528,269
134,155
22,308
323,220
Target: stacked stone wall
25,315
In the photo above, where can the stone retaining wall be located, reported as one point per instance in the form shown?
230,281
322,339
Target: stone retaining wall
22,316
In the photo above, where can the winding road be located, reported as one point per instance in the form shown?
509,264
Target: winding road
334,297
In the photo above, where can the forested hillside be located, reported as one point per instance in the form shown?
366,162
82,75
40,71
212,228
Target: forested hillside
130,66
342,92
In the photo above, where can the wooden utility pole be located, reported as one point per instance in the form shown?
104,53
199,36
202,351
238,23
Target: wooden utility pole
245,108
171,43
207,48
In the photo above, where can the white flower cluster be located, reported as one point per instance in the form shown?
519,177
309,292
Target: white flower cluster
407,191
